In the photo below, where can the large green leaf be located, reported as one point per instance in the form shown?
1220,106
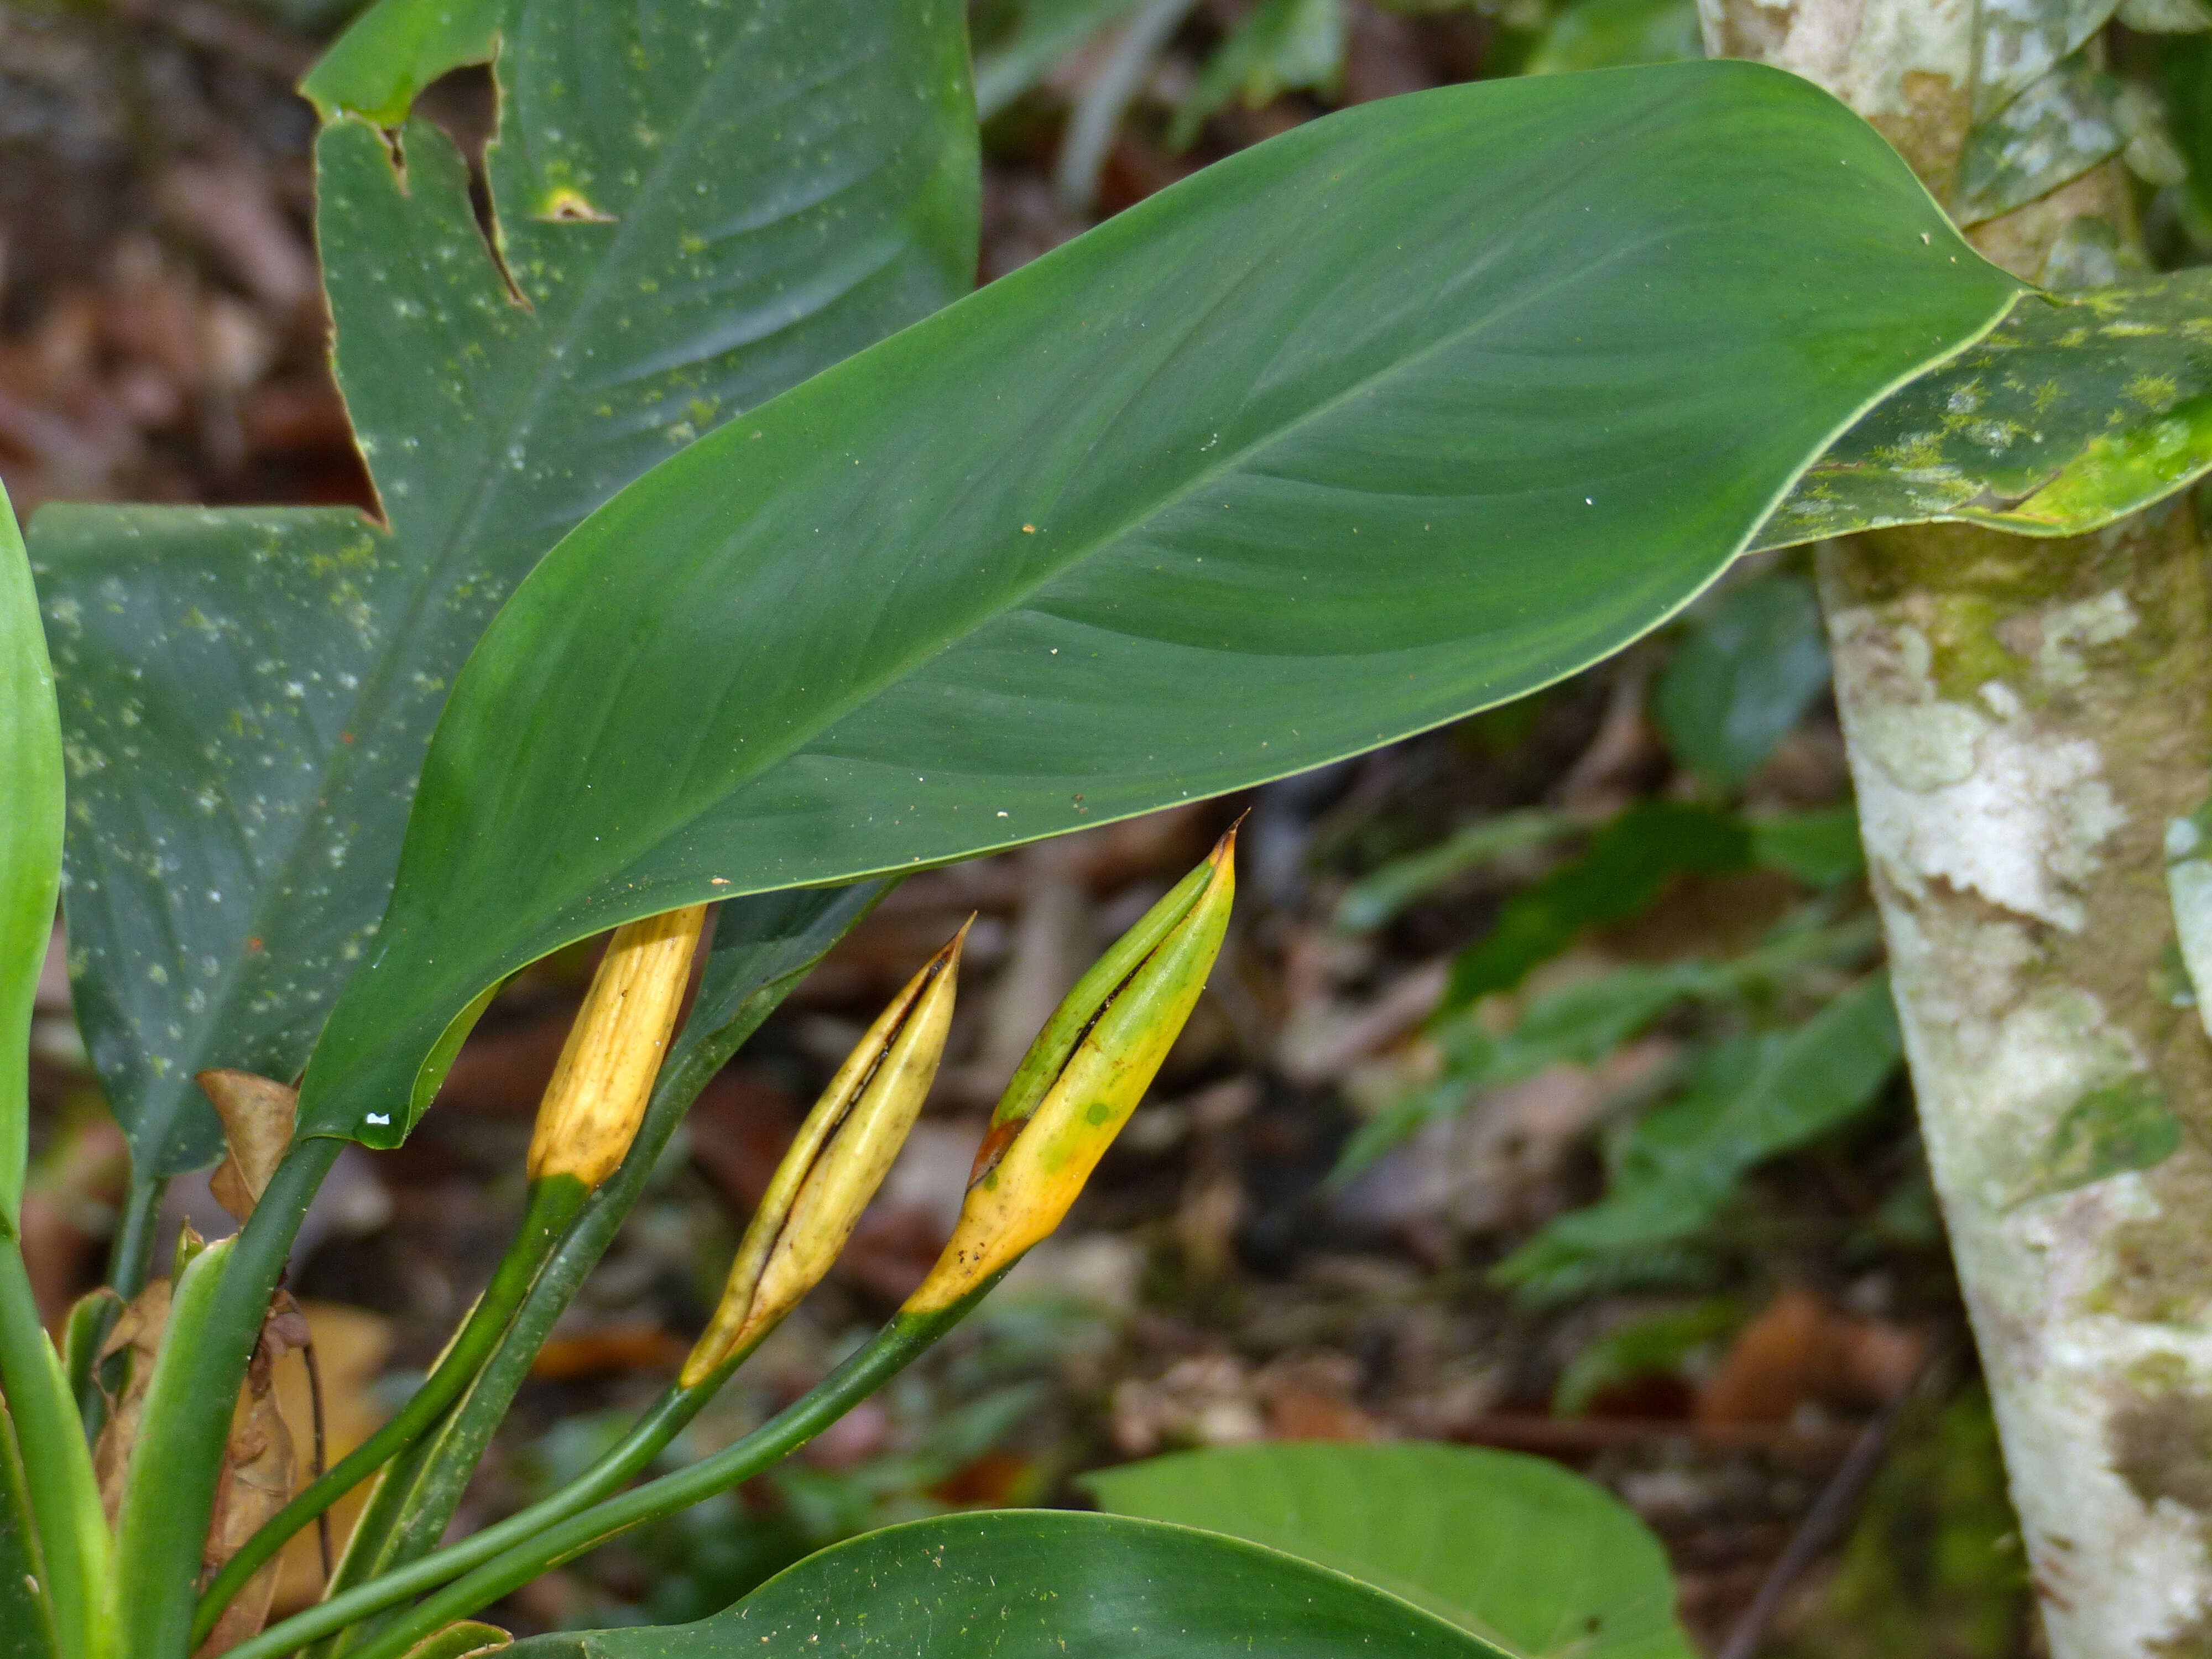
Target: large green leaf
1403,413
765,186
1043,1584
2072,413
30,845
1514,1549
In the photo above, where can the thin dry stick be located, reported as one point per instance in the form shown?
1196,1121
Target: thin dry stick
315,1414
1824,1522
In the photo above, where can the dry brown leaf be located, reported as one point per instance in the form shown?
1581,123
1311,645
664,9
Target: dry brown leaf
137,1333
259,1475
257,1113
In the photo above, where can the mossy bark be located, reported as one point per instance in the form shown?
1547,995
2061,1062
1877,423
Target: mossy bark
2023,719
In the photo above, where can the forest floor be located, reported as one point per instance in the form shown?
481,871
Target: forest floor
1785,1358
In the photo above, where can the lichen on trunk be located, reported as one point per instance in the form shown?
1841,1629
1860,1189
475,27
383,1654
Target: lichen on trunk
2024,718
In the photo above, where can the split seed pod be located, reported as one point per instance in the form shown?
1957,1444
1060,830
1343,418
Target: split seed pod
597,1099
840,1156
1082,1078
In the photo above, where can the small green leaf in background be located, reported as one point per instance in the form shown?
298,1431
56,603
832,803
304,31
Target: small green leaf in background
1589,34
394,50
1754,1098
1625,867
1578,1025
1376,898
1018,45
2072,413
1818,848
1514,1549
2057,129
1043,1584
30,846
1750,663
1279,46
1642,1348
248,694
1291,458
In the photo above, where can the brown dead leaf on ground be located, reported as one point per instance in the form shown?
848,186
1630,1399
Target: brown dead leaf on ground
1803,1350
610,1350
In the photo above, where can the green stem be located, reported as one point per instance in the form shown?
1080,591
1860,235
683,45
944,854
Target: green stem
26,1605
552,1205
894,1348
661,1423
129,1256
413,1504
131,1252
64,1497
173,1475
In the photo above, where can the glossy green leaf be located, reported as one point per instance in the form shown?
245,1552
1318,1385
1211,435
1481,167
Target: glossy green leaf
1589,34
30,846
394,50
1043,1584
1755,1098
1752,660
1294,458
1514,1549
2073,413
765,186
2057,129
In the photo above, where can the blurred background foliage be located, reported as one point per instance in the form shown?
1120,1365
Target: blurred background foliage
1548,1097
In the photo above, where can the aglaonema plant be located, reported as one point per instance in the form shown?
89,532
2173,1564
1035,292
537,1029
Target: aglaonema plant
729,558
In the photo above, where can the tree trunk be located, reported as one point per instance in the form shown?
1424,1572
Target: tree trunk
2023,719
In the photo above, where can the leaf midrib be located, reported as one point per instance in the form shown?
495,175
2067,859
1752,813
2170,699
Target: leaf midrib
339,763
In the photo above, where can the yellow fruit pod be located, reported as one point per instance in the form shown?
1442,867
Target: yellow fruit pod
838,1159
592,1109
1035,1162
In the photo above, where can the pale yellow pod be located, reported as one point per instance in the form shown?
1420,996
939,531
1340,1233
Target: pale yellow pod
592,1107
1031,1168
836,1162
